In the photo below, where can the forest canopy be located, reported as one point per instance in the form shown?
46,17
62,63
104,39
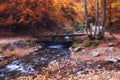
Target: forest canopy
49,13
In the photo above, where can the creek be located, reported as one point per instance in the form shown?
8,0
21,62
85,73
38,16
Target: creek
41,57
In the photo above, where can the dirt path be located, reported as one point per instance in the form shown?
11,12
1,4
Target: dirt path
15,45
13,39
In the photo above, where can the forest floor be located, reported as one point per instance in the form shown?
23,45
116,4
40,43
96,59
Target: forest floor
81,65
31,63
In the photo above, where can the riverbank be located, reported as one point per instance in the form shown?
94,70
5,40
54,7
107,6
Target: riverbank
101,62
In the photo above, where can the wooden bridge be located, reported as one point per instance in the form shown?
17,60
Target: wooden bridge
53,39
56,36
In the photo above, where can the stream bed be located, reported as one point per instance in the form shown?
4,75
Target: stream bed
35,61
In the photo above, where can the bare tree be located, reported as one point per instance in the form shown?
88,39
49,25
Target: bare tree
103,17
96,19
97,30
87,28
110,16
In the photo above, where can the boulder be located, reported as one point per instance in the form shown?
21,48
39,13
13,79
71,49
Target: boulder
111,60
110,49
53,63
79,72
20,44
35,53
86,71
110,44
118,59
77,49
95,54
44,58
40,47
1,58
72,52
118,46
67,38
70,49
118,65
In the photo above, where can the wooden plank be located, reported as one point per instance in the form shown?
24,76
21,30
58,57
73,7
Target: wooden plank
58,35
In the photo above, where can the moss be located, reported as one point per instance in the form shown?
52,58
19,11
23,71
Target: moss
29,42
76,42
68,27
86,42
78,25
115,19
94,44
2,45
1,50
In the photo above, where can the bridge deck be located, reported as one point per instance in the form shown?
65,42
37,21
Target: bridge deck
58,35
51,39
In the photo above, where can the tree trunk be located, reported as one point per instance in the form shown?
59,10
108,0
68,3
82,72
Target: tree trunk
87,28
33,28
110,16
96,18
103,17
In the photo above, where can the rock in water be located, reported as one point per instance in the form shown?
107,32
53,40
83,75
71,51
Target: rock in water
95,54
67,38
40,47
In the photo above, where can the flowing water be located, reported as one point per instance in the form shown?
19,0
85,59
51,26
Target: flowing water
43,57
30,63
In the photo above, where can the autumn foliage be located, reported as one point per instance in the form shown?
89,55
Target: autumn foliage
51,13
